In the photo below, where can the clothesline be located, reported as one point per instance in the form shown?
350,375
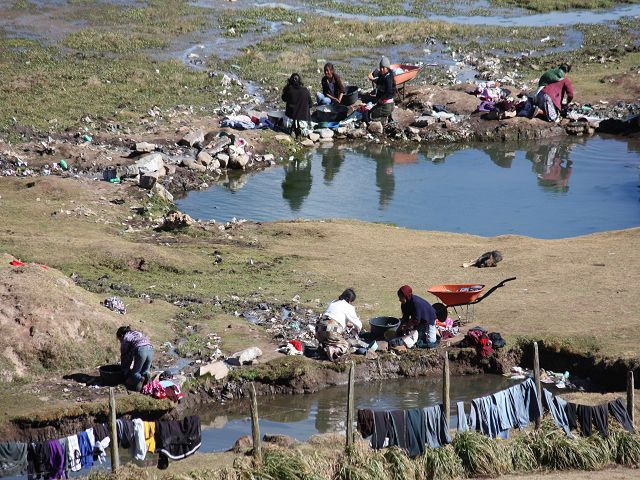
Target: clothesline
55,458
492,415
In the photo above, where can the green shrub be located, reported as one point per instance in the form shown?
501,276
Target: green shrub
482,455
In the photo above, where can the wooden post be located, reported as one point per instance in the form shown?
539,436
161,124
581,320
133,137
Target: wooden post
446,400
350,406
631,397
115,456
255,427
536,378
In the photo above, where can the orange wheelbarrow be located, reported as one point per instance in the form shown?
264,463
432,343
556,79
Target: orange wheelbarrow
464,295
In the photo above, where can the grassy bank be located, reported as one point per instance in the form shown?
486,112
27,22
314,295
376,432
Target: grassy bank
552,5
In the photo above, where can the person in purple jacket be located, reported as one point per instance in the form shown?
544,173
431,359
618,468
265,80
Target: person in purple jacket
417,314
136,354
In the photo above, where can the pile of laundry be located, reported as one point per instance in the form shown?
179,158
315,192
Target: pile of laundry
483,341
245,122
495,101
560,380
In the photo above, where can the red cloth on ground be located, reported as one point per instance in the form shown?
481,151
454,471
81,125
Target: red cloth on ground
296,344
16,263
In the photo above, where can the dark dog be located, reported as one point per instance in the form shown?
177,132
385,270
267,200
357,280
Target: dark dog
488,259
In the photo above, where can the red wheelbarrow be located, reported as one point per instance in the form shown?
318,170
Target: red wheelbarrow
463,295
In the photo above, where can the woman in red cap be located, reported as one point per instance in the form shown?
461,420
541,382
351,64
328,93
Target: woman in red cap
418,320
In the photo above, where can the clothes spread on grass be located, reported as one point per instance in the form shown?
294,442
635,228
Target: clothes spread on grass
412,430
115,304
57,458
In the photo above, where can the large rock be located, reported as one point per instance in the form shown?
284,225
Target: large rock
223,158
245,356
217,144
307,142
375,128
128,171
357,133
191,138
170,169
424,121
284,138
147,181
151,162
175,219
326,133
314,137
192,165
238,161
144,147
162,192
217,370
204,158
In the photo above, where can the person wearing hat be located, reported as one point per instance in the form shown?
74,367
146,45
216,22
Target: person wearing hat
418,322
385,91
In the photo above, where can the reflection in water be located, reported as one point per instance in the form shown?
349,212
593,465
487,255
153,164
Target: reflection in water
385,180
331,162
552,165
377,183
297,182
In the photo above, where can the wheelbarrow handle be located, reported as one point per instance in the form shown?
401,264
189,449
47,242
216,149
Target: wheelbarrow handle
489,292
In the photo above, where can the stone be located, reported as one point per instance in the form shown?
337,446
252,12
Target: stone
144,147
128,171
214,165
326,133
204,158
175,219
268,157
238,161
424,121
412,131
217,370
314,137
192,165
307,142
357,133
151,162
191,138
217,144
246,356
147,181
284,138
383,346
284,441
162,192
223,159
242,444
341,131
170,169
375,127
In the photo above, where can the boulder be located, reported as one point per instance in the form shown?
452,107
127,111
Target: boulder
223,158
144,147
191,138
192,165
217,370
162,192
326,133
238,161
151,162
217,144
357,133
246,356
412,131
175,219
242,444
204,158
314,137
375,128
424,121
128,171
170,169
214,165
268,157
307,142
341,131
147,181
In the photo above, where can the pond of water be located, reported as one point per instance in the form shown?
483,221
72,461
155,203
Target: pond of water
302,416
546,189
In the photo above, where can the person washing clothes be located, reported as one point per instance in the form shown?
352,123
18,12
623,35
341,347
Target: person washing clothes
332,87
298,108
548,78
339,316
385,91
550,99
136,354
553,75
418,322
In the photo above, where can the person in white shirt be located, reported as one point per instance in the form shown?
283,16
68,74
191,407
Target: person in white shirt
340,316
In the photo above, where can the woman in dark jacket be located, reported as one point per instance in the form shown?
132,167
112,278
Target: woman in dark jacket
417,314
332,87
298,100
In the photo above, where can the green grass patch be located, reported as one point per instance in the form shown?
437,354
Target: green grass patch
551,5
